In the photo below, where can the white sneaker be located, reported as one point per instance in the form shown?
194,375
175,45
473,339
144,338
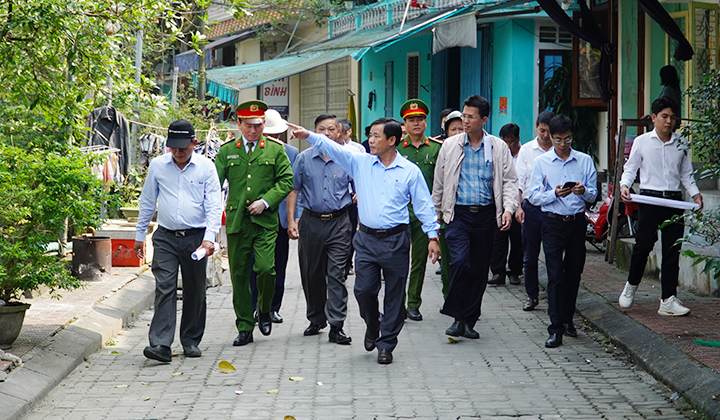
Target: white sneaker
626,297
672,307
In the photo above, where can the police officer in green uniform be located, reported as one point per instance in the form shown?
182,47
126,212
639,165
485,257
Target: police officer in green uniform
260,177
423,152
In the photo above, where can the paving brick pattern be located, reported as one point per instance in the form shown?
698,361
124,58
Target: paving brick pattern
46,316
701,323
505,374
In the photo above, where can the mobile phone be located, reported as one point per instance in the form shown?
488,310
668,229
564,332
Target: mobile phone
569,184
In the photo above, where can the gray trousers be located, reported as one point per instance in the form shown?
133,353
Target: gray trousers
323,250
171,252
392,256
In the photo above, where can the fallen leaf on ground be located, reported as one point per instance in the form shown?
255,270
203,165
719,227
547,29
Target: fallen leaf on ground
297,378
273,391
115,352
289,418
177,373
144,383
122,386
452,340
226,367
175,355
146,398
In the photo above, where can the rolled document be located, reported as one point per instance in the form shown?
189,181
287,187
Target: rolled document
199,253
664,202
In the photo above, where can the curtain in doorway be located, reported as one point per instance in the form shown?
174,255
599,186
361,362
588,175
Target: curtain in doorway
657,12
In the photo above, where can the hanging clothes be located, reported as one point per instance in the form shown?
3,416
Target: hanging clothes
151,145
109,127
211,145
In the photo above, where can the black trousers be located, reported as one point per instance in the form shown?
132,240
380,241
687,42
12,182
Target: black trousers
564,245
282,248
353,214
169,253
649,220
470,239
391,255
500,250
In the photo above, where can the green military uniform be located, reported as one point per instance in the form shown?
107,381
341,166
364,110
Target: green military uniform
265,175
424,157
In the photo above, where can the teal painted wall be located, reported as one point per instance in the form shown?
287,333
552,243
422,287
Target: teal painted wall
658,54
374,62
514,75
628,88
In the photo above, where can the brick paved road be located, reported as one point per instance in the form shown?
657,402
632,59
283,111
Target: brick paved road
507,373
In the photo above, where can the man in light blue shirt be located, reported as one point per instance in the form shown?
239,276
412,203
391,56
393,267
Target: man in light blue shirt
386,182
185,189
563,181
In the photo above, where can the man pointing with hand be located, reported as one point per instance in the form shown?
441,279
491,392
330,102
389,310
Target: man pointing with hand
386,182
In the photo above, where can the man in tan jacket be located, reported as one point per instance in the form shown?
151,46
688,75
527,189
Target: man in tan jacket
475,187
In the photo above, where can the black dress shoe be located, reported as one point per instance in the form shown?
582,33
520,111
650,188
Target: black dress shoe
514,279
159,353
470,332
414,314
337,335
313,329
570,330
192,351
497,280
370,338
243,338
264,323
456,329
384,356
275,317
555,340
530,304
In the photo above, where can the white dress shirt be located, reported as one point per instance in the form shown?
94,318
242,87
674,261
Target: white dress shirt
355,147
185,199
663,166
524,165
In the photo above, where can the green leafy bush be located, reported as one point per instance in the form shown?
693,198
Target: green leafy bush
38,192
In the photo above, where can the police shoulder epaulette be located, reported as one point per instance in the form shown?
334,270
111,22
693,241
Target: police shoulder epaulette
436,139
275,140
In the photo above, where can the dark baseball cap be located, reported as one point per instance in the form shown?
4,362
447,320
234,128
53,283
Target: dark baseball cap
180,134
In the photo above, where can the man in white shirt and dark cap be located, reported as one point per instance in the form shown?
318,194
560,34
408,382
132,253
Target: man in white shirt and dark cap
664,162
185,189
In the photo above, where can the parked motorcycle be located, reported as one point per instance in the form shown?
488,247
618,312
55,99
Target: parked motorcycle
598,227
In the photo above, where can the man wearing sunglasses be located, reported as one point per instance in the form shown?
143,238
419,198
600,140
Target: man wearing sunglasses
563,180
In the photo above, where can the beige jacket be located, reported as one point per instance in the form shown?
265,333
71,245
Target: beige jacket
447,177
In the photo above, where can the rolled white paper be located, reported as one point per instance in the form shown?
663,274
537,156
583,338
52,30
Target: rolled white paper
664,202
199,253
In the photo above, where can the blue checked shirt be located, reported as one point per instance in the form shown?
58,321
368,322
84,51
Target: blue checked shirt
475,186
383,193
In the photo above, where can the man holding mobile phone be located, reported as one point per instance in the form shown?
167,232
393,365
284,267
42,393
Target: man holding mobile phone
563,180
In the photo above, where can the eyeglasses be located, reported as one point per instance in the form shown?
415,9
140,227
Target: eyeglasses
469,117
567,140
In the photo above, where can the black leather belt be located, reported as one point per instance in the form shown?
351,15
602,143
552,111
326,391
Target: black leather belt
475,209
327,216
182,233
673,195
565,218
383,233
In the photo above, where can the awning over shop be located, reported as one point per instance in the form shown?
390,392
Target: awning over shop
228,81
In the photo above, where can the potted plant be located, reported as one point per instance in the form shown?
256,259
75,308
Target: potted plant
39,192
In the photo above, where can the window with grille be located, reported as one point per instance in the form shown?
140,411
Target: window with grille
413,76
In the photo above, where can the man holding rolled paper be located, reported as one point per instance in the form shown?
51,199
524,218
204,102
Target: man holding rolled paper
664,162
185,189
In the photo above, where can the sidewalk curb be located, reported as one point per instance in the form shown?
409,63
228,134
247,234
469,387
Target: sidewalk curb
664,361
46,365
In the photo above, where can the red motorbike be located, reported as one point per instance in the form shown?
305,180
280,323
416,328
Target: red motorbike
598,227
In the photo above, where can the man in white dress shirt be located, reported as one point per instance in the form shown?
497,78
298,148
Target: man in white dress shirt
664,163
185,188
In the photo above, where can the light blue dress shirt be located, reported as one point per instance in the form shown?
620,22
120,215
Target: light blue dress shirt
475,186
185,199
322,185
549,170
383,193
